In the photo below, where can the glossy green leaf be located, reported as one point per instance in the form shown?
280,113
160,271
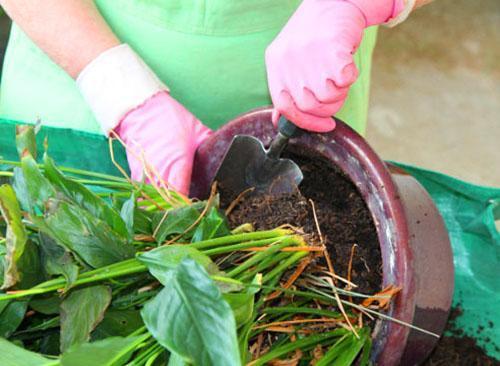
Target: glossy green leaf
12,355
213,225
242,306
143,222
83,197
190,317
21,189
89,238
46,305
57,260
161,261
118,323
37,188
114,351
176,360
127,214
11,316
44,325
16,235
30,268
176,221
81,312
242,303
25,140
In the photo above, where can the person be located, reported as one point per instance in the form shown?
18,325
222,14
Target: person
148,72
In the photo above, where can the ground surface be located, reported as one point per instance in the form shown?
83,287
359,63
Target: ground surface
436,90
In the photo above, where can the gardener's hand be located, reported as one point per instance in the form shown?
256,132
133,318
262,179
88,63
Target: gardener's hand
310,65
160,135
164,135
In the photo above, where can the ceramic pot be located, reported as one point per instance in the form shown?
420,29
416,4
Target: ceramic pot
415,248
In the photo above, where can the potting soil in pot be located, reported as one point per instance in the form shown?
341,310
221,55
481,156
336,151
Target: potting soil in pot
341,212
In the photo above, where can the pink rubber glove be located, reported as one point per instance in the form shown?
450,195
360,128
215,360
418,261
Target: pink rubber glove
166,135
310,64
126,97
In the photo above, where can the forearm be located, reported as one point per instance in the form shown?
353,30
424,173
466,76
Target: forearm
71,32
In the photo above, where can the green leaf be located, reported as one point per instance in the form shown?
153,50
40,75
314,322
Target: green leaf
176,360
163,260
84,198
48,305
81,311
114,351
44,325
127,214
143,222
50,344
118,323
39,190
57,260
11,317
16,236
30,267
345,351
242,306
21,189
213,225
176,221
85,235
12,355
242,303
190,317
25,140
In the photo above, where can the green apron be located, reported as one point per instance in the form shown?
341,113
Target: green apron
209,52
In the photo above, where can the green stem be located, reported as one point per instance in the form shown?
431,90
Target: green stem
239,238
301,310
245,245
302,344
256,258
284,266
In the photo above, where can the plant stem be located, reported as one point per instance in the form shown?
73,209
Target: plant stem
303,344
239,238
284,265
256,258
245,245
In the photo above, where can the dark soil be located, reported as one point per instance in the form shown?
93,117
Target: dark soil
343,217
457,349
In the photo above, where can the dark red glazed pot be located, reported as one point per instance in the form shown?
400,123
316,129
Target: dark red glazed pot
415,247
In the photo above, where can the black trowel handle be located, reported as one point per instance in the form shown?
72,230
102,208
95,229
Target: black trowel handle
286,130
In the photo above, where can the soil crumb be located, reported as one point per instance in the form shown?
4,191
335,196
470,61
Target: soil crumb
343,217
455,349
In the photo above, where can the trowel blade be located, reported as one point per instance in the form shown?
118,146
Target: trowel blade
247,166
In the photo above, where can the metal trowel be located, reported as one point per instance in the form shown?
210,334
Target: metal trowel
249,167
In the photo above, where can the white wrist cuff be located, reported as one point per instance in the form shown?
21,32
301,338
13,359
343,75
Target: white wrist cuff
401,17
115,82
